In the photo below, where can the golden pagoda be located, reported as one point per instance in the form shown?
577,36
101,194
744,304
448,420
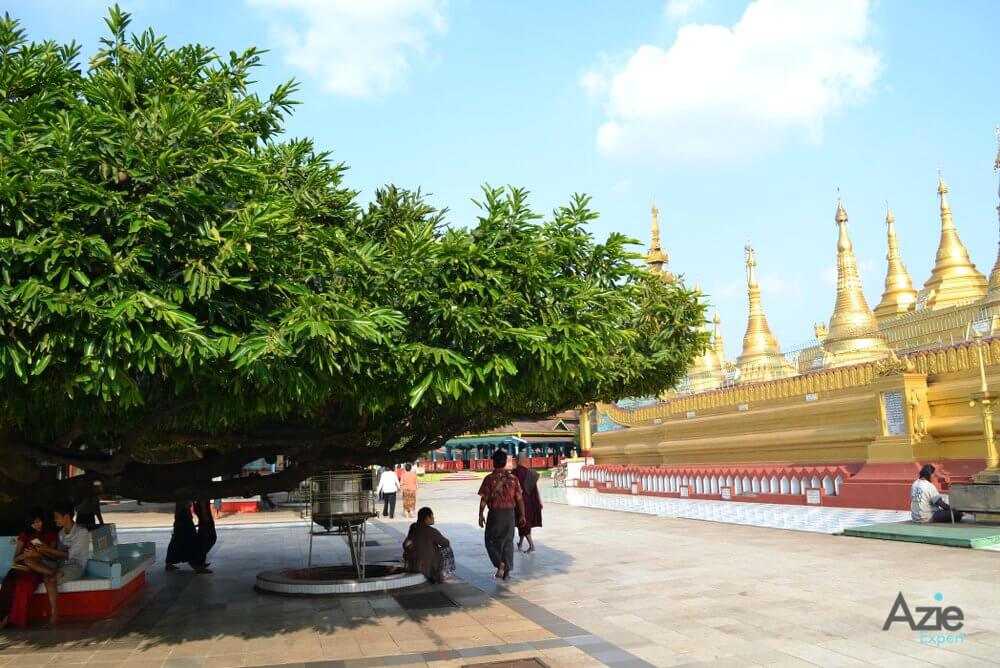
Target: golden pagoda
705,372
761,358
954,279
717,342
656,259
899,296
853,333
879,393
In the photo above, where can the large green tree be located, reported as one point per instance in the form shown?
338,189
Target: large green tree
182,290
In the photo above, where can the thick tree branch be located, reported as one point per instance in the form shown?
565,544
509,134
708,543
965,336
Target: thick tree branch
95,461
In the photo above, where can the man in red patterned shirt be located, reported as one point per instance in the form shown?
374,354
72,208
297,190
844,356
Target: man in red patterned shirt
501,493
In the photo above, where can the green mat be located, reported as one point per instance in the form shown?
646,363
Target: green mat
954,535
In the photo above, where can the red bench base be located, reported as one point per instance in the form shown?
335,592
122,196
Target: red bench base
85,604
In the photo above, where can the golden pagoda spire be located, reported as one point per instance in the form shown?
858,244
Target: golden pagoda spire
993,293
853,333
717,342
954,279
656,259
761,358
899,296
705,372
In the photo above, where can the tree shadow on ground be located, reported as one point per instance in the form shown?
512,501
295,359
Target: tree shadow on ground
221,613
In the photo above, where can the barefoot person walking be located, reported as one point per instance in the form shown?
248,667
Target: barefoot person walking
408,484
501,493
528,478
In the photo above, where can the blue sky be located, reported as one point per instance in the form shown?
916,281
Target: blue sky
740,118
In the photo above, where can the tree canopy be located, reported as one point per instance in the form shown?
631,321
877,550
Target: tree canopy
184,290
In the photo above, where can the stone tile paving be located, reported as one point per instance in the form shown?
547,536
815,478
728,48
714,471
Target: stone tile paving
604,588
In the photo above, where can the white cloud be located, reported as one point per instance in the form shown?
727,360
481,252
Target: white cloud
678,10
734,92
356,48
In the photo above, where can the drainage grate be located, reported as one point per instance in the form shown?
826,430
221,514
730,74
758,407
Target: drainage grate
371,543
516,663
432,600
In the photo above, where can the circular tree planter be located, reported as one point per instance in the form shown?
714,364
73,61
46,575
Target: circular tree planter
336,580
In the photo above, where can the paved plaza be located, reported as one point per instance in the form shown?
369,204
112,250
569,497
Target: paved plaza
605,588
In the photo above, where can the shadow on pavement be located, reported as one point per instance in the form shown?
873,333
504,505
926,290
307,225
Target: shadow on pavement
210,612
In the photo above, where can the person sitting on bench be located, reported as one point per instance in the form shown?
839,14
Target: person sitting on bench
926,504
66,562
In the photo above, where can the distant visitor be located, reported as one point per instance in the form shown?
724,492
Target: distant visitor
408,483
388,486
190,544
528,478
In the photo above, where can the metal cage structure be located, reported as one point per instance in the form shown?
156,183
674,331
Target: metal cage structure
340,504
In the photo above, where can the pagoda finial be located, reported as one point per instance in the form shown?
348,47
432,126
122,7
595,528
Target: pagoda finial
656,259
852,336
899,295
717,342
656,225
751,263
996,164
954,279
761,358
841,216
993,292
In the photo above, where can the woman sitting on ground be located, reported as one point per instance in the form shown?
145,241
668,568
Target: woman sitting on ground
25,574
426,551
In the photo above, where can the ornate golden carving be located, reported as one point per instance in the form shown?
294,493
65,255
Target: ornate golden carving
890,366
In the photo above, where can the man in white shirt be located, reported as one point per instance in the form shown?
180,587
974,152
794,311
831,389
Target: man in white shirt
388,485
69,559
926,504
